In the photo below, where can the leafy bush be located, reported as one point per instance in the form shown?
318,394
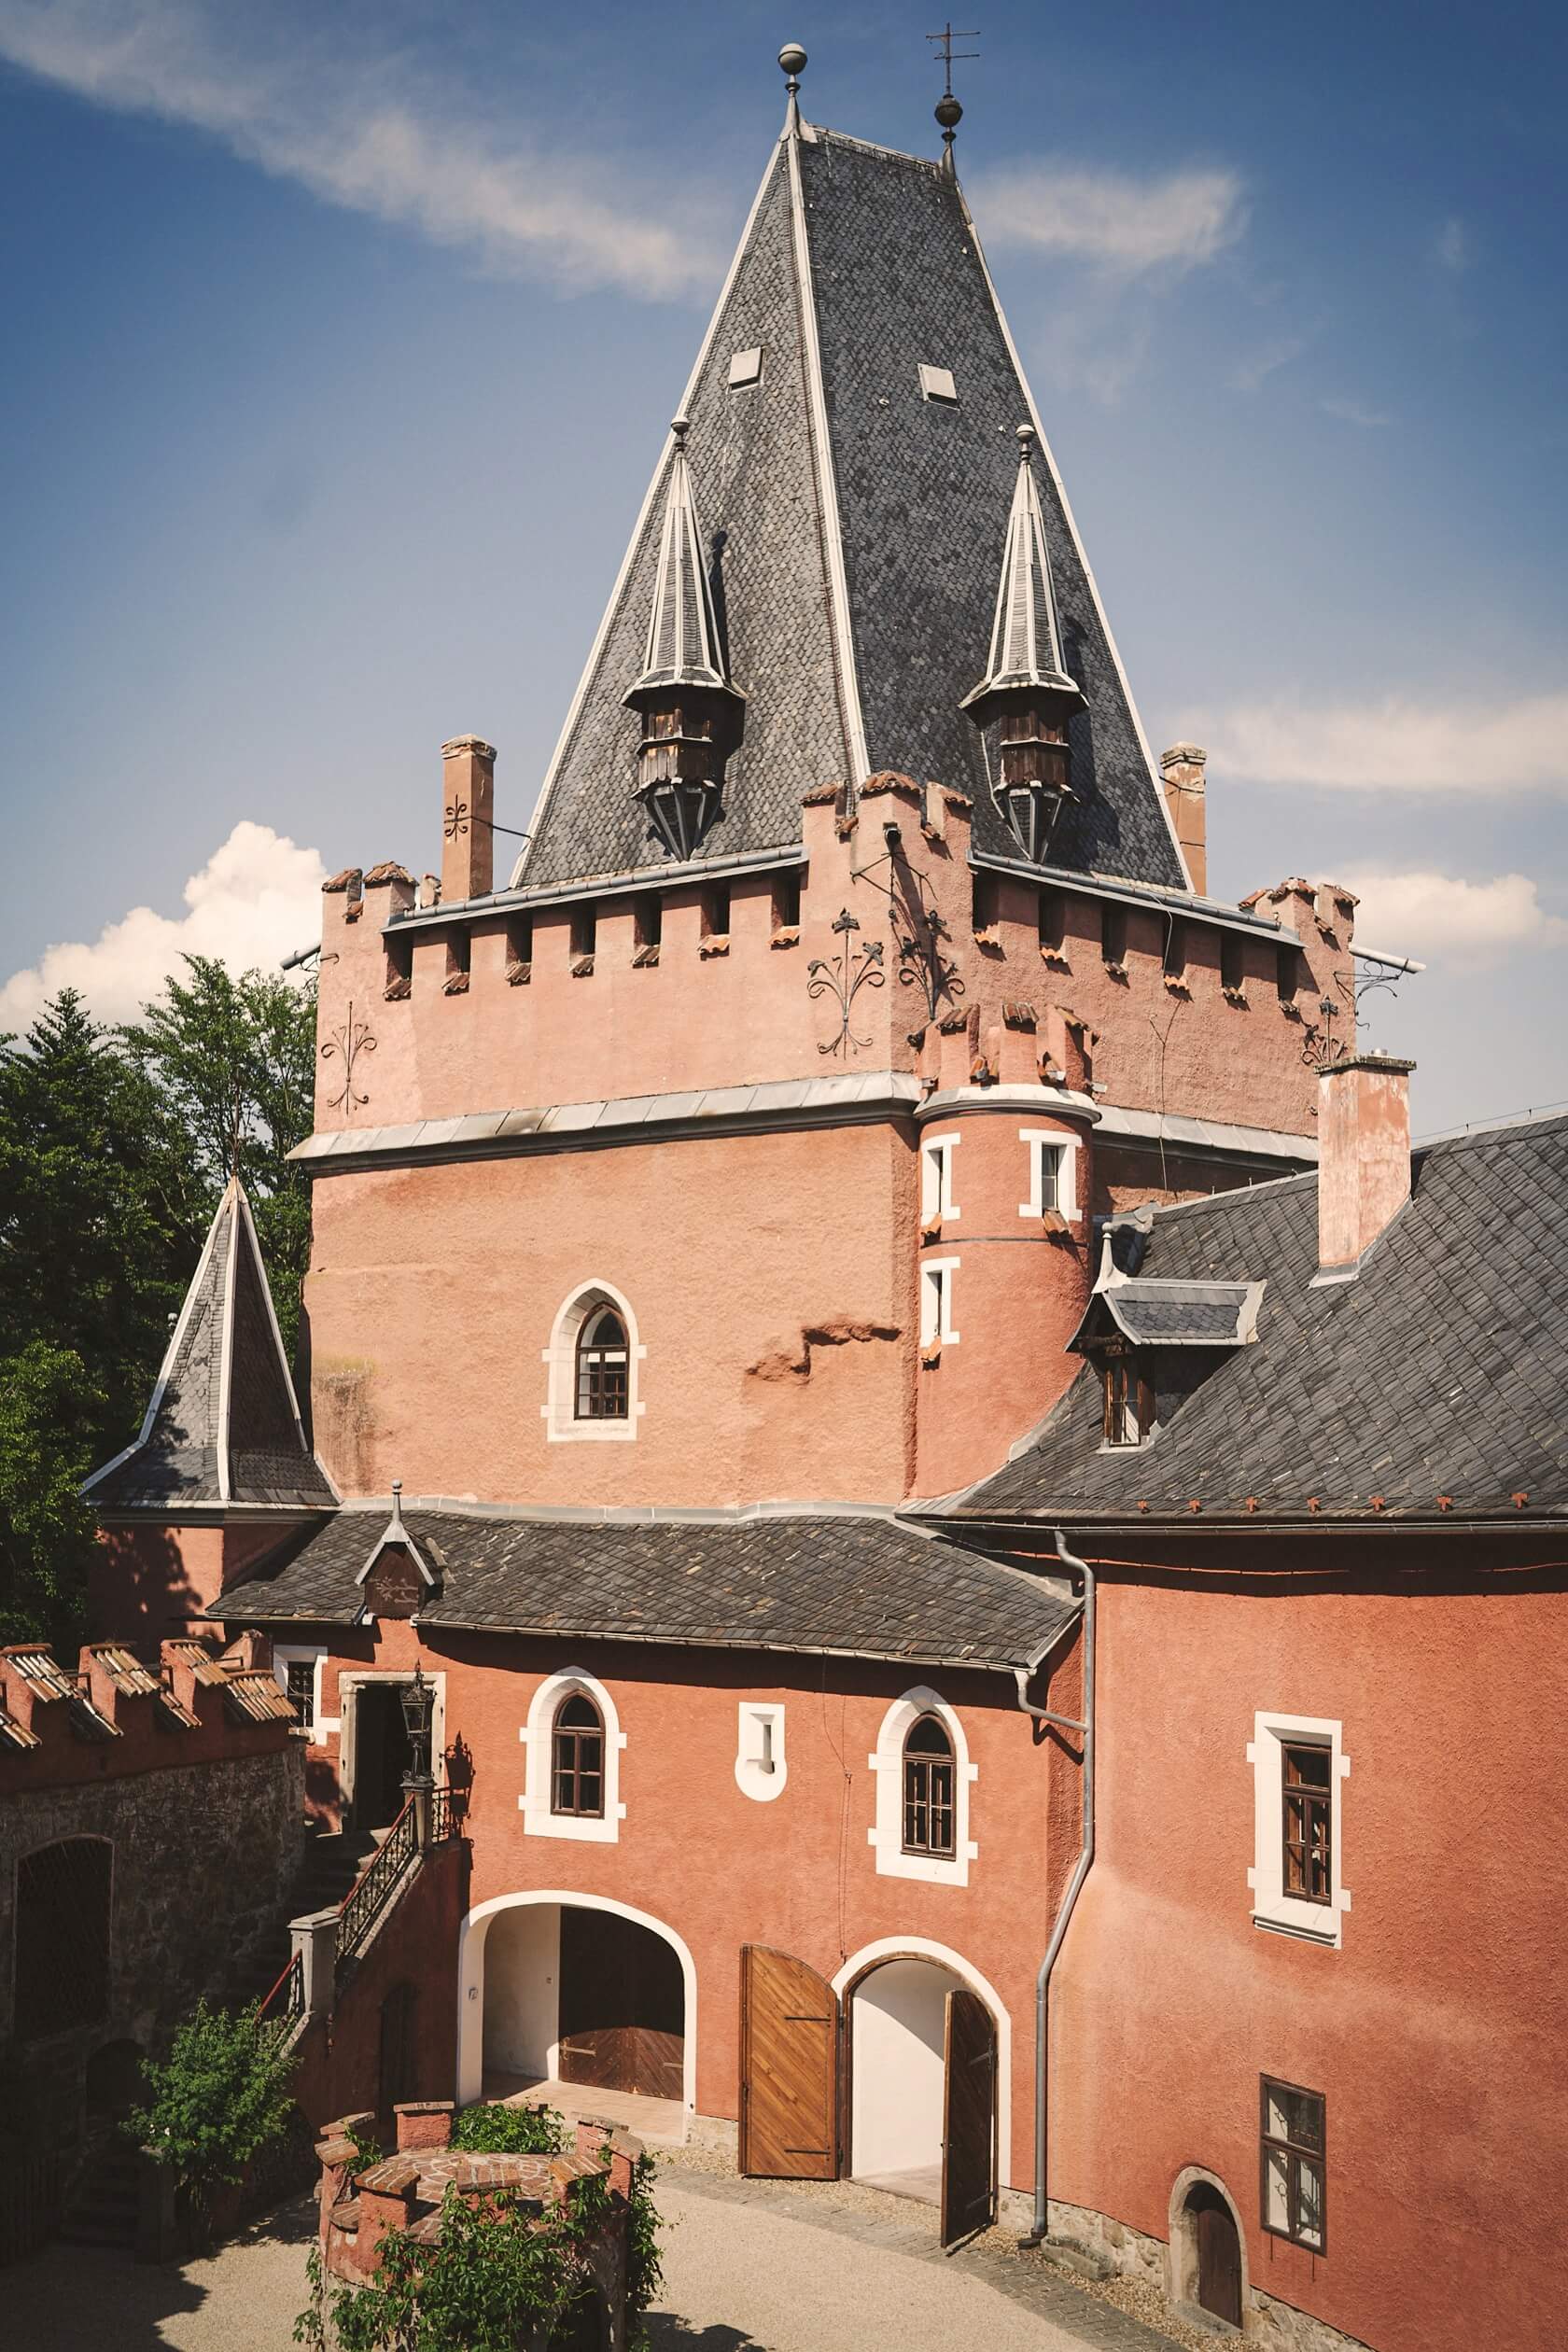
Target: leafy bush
494,2130
218,2100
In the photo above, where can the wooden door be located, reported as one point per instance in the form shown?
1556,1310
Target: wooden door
969,2111
789,2068
623,2006
1219,2259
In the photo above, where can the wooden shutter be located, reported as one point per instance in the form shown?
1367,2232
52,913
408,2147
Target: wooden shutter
789,2068
968,2118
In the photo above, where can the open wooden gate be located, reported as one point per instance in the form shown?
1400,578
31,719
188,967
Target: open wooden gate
789,2068
969,2118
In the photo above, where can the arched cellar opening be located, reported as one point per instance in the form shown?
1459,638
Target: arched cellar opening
898,2030
578,2000
1208,2266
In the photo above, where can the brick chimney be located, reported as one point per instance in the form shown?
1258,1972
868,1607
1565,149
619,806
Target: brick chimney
1181,772
467,808
1363,1154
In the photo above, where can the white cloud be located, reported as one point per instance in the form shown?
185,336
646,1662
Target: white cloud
257,900
1453,248
376,133
1250,374
1127,228
1396,745
1457,921
1351,411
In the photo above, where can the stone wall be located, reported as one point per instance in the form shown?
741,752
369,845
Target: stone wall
204,1859
1126,2253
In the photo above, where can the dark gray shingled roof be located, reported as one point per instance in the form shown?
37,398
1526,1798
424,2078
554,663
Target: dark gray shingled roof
924,490
860,1586
1441,1371
1158,1313
223,1425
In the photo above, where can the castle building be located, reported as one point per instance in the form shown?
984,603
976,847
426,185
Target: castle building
820,1254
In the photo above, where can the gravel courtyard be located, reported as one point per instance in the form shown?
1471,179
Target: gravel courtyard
750,2266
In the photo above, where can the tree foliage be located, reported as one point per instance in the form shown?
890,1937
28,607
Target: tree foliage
48,1411
494,2129
218,2100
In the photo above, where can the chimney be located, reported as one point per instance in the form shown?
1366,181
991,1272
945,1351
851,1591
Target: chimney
1364,1155
1181,773
467,808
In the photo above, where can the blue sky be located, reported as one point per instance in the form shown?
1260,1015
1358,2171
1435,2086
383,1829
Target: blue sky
341,343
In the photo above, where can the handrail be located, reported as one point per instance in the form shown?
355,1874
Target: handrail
291,1985
368,1898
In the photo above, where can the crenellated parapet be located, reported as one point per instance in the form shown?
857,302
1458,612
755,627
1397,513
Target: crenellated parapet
115,1715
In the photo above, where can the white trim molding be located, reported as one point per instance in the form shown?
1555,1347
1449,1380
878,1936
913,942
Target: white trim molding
538,1821
936,1302
1272,1908
1036,1141
351,1680
559,1409
886,1835
286,1653
471,1938
760,1768
936,1178
921,1948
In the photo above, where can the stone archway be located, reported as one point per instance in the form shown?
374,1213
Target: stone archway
1206,2260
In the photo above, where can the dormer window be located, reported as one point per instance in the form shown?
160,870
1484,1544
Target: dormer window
1130,1401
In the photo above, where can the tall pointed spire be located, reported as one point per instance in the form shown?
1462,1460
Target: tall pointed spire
690,711
223,1425
1026,686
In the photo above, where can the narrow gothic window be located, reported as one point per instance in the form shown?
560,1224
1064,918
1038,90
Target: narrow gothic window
602,1367
1307,1808
928,1789
577,1759
62,1936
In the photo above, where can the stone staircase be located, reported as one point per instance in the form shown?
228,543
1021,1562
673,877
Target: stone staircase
332,1865
102,2210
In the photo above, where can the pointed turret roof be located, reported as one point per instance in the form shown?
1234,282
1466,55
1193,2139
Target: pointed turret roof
684,648
1025,635
223,1425
851,495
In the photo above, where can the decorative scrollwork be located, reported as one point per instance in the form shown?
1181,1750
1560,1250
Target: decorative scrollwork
918,931
842,977
457,819
349,1041
1321,1046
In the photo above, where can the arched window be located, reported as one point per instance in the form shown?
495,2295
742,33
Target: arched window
577,1762
928,1788
603,1368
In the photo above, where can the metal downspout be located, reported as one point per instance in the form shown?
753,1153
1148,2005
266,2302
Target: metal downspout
1064,1913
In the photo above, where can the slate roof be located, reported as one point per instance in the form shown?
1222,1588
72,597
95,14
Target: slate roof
223,1425
1160,1313
862,1587
921,490
1441,1371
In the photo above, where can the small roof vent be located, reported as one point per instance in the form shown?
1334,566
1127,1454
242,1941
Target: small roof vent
936,383
746,367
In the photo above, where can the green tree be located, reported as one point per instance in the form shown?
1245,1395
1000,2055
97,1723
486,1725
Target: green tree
100,1213
232,1062
218,2100
48,1418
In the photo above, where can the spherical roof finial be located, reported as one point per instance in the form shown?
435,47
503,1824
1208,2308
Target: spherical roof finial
949,111
1026,444
680,426
791,62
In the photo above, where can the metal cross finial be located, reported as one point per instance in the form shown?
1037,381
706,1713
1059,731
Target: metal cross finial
949,111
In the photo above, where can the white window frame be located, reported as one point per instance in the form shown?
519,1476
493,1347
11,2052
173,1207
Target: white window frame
936,1178
936,1302
286,1653
745,367
938,384
761,1737
537,1735
1272,1908
886,1762
559,1410
1036,1141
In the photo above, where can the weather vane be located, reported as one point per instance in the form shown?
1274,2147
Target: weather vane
949,111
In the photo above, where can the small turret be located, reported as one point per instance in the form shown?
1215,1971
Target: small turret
1025,690
691,713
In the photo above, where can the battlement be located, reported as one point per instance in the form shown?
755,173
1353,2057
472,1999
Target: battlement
883,940
115,1716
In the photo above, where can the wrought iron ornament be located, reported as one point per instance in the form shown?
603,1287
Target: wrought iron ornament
1321,1047
842,977
916,927
457,819
352,1040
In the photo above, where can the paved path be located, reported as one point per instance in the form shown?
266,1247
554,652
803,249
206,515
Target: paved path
749,2266
758,2266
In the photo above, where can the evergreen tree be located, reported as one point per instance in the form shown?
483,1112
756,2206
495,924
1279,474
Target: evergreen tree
48,1413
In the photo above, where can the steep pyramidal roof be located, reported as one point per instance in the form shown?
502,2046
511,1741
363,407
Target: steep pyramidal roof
223,1425
1025,635
684,648
855,520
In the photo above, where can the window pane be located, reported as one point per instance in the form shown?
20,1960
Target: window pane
1308,2201
1275,2189
1050,1177
928,1738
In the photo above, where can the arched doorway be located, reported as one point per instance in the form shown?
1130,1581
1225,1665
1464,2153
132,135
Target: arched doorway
564,1989
898,2024
1207,2258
